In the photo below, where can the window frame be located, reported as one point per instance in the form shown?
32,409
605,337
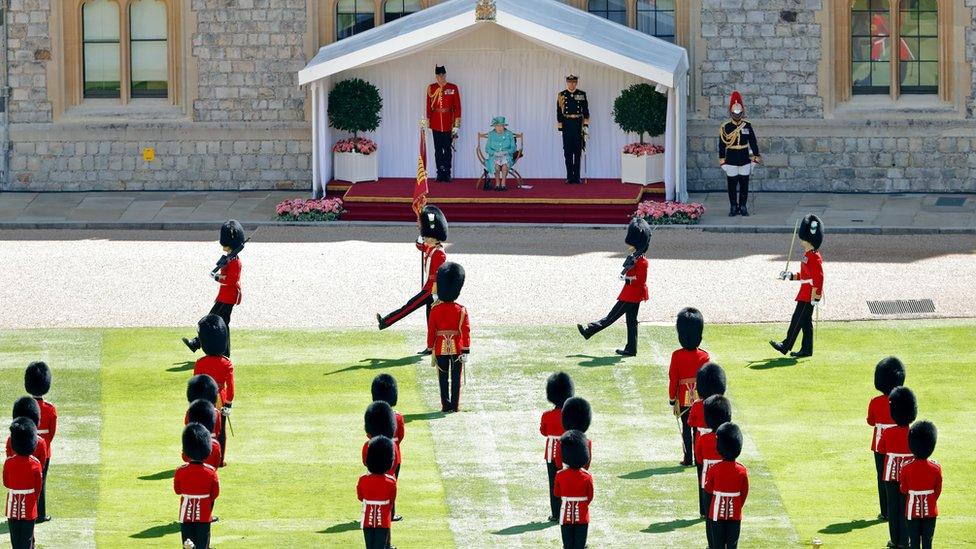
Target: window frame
132,90
100,94
377,9
655,10
627,11
399,14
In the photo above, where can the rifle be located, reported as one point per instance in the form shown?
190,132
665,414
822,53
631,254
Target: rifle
227,258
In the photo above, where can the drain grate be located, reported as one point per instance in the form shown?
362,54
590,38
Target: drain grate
950,201
902,307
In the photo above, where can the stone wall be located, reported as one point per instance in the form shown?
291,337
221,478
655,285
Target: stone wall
28,51
971,55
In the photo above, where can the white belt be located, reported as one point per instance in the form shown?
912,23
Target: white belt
551,441
376,502
920,492
706,463
43,431
21,492
716,501
704,430
889,470
878,429
573,499
727,494
195,496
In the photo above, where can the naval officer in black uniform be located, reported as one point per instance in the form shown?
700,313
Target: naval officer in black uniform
573,120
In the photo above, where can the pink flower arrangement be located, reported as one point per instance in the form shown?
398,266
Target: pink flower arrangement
643,149
300,209
670,213
359,145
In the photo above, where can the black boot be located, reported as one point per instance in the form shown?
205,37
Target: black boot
380,322
585,332
801,354
743,211
192,344
626,352
779,347
733,210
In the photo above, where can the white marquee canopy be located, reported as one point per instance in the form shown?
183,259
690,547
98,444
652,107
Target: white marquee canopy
510,65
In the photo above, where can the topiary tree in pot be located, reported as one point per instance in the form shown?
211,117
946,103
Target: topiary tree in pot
354,106
642,110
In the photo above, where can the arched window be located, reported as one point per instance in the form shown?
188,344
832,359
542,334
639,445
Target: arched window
353,17
395,9
656,17
920,31
100,48
147,38
614,10
907,30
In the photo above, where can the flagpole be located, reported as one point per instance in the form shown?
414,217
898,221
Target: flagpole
421,186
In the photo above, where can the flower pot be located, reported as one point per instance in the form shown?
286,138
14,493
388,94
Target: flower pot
642,170
355,167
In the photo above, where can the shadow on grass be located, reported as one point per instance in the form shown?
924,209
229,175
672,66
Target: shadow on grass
340,528
770,363
379,364
597,361
162,475
653,471
524,528
848,527
158,531
4,528
426,416
671,525
181,366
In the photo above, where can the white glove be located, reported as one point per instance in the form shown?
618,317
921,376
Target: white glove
586,130
464,358
225,410
454,132
420,240
785,275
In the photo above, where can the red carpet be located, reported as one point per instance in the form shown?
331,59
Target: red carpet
548,201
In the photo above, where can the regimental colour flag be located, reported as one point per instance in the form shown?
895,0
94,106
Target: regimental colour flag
420,190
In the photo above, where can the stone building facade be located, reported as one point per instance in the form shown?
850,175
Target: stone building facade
231,115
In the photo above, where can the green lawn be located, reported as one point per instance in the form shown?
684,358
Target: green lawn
477,479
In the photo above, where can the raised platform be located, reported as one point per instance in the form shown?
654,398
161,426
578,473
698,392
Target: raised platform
548,201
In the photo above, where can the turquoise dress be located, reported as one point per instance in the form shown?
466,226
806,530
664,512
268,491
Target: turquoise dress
502,144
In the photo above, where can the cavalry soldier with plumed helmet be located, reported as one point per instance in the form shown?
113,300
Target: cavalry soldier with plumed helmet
738,150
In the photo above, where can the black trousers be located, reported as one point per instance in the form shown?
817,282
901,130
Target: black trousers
879,460
223,310
724,533
450,366
422,299
574,535
376,538
443,154
396,474
222,438
619,309
21,533
42,499
687,440
704,498
920,533
573,148
554,502
740,198
198,532
802,321
897,523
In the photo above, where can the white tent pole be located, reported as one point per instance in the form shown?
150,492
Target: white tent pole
315,141
681,139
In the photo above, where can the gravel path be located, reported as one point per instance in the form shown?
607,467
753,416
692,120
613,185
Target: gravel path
339,277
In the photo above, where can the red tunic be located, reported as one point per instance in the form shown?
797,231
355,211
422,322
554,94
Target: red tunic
448,329
443,107
216,431
396,456
575,488
434,257
214,458
551,427
378,493
879,417
728,483
706,454
230,284
894,444
400,429
558,458
198,487
635,291
811,271
696,420
921,482
41,452
684,366
49,423
221,369
23,476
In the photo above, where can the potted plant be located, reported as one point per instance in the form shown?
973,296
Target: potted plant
642,110
354,107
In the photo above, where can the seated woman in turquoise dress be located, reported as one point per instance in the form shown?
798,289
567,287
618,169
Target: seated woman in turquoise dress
499,152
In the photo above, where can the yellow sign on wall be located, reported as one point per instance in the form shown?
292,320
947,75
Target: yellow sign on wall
148,154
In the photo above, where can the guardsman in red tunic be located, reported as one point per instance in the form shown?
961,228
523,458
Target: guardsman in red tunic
444,118
921,485
888,374
634,292
685,363
384,388
204,387
727,483
377,490
577,416
811,277
203,412
559,389
574,488
197,485
449,335
894,445
23,477
27,407
214,336
380,421
37,383
718,410
232,240
710,380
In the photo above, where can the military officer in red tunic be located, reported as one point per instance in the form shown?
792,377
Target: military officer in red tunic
811,277
444,118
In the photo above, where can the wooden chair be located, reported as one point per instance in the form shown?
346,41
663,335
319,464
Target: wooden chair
486,179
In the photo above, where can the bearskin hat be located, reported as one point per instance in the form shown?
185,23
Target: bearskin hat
559,388
196,442
37,379
710,380
202,386
638,235
203,412
380,455
718,410
904,408
232,234
888,374
23,436
728,441
450,280
380,420
213,335
736,99
433,223
385,388
440,69
690,326
29,408
921,439
812,231
577,414
573,446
